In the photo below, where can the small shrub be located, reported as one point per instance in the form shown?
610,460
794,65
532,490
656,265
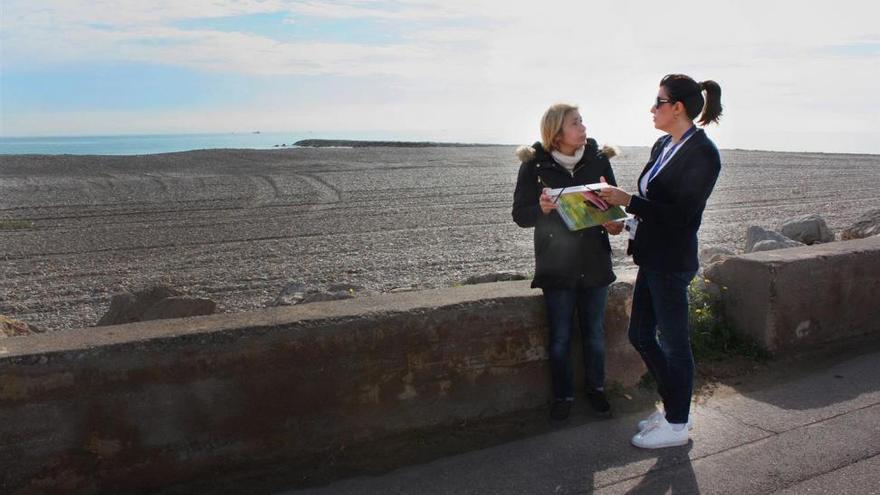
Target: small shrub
9,224
647,381
712,337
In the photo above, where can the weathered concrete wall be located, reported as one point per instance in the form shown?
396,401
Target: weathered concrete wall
147,404
798,297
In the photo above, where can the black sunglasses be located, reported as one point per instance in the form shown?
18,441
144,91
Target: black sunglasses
661,101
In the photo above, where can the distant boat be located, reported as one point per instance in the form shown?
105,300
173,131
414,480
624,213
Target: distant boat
255,132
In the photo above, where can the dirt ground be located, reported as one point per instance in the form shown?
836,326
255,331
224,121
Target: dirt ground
238,226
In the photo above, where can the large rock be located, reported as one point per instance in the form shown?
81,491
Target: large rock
154,303
772,244
808,229
755,235
10,327
866,225
179,307
798,298
714,254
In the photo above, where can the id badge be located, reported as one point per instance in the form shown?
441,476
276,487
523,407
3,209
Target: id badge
630,225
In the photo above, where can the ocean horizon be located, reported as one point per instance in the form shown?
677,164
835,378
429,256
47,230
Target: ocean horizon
150,144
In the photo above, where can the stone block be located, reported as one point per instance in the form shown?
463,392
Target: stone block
801,297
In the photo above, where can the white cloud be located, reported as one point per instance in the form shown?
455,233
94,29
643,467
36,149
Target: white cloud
75,32
492,66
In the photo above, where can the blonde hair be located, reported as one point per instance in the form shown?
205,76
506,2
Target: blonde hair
551,124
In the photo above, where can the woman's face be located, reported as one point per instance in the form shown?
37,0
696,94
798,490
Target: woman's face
573,134
663,110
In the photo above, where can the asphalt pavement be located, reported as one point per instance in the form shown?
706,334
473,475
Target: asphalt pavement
810,425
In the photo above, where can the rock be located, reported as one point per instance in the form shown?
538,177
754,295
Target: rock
756,234
713,271
10,327
298,293
771,245
866,225
154,303
292,294
808,229
179,307
714,254
706,285
494,277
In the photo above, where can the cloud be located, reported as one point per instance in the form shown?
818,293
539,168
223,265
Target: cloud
488,66
483,37
77,32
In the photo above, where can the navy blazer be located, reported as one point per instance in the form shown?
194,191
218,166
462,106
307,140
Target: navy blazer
670,215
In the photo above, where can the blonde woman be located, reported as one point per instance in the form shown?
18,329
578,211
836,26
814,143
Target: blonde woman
572,267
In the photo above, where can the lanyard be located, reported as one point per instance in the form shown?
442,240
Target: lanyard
667,155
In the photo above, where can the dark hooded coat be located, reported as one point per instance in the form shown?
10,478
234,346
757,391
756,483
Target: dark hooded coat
564,259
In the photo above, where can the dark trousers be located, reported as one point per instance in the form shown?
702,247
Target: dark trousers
658,329
590,306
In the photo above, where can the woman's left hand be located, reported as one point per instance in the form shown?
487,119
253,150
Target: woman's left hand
615,195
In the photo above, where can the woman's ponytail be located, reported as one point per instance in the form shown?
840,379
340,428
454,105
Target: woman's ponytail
712,107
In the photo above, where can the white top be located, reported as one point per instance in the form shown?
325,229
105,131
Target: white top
643,184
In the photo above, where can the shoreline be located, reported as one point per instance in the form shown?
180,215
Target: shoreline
344,143
285,144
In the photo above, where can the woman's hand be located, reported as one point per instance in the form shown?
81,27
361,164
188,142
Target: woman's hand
546,202
613,227
615,195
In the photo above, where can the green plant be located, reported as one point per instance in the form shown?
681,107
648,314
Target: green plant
9,224
712,337
647,381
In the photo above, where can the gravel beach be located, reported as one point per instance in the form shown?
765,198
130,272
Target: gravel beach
238,226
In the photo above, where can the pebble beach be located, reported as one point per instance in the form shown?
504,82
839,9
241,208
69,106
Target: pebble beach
238,226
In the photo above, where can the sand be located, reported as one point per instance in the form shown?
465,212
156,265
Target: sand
238,226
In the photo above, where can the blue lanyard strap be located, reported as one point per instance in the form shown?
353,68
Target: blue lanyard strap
667,155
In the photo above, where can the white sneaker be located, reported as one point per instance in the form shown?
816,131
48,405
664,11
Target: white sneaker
656,416
660,435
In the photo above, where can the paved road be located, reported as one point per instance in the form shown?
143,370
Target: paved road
801,432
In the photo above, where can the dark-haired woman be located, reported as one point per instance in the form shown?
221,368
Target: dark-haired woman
668,207
572,267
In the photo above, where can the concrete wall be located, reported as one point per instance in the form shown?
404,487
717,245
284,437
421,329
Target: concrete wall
148,404
799,297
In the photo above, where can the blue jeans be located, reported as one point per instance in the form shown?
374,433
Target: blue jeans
590,305
658,329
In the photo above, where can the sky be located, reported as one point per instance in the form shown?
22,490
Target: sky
795,75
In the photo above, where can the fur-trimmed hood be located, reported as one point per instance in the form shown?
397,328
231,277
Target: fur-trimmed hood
528,153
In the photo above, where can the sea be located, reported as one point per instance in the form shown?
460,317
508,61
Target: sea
148,144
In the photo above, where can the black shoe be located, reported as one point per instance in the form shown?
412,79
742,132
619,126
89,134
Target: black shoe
599,402
560,409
